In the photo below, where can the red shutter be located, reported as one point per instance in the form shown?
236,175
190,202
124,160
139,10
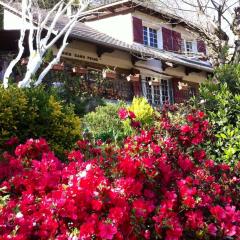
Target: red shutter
137,30
201,46
179,96
167,39
176,41
137,89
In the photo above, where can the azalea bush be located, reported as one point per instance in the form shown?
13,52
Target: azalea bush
159,185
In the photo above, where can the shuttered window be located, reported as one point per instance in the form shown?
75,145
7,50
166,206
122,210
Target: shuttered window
150,37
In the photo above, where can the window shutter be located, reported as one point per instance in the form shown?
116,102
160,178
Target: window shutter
177,41
167,39
137,89
201,46
178,95
137,30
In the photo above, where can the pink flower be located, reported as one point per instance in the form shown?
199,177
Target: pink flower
212,229
123,113
106,231
12,141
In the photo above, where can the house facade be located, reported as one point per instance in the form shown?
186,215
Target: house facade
131,49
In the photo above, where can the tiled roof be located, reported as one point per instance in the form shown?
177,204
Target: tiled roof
83,32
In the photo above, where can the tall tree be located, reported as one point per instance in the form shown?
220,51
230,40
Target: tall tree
38,21
1,17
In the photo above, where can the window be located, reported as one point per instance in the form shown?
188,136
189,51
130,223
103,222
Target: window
156,92
150,37
188,47
192,91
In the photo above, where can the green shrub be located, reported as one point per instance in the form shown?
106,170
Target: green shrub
34,113
104,123
221,102
229,74
143,111
75,90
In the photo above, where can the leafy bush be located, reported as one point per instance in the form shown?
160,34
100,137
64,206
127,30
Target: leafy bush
104,123
221,102
76,90
229,74
34,113
159,185
143,111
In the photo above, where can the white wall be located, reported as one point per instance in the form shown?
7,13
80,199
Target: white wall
119,27
157,23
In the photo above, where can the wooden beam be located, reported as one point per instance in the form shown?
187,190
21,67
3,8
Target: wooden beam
103,49
189,70
166,64
135,59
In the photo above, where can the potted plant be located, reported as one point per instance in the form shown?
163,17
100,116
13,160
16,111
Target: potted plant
133,78
24,61
58,67
182,86
79,70
109,73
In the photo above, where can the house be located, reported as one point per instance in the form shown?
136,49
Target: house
132,49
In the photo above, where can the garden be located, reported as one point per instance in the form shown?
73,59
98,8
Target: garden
121,171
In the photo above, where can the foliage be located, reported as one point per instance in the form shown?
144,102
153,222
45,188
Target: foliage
33,112
143,111
229,74
75,90
159,185
221,102
104,123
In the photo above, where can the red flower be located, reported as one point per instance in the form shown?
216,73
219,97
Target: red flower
218,212
194,219
185,129
132,115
